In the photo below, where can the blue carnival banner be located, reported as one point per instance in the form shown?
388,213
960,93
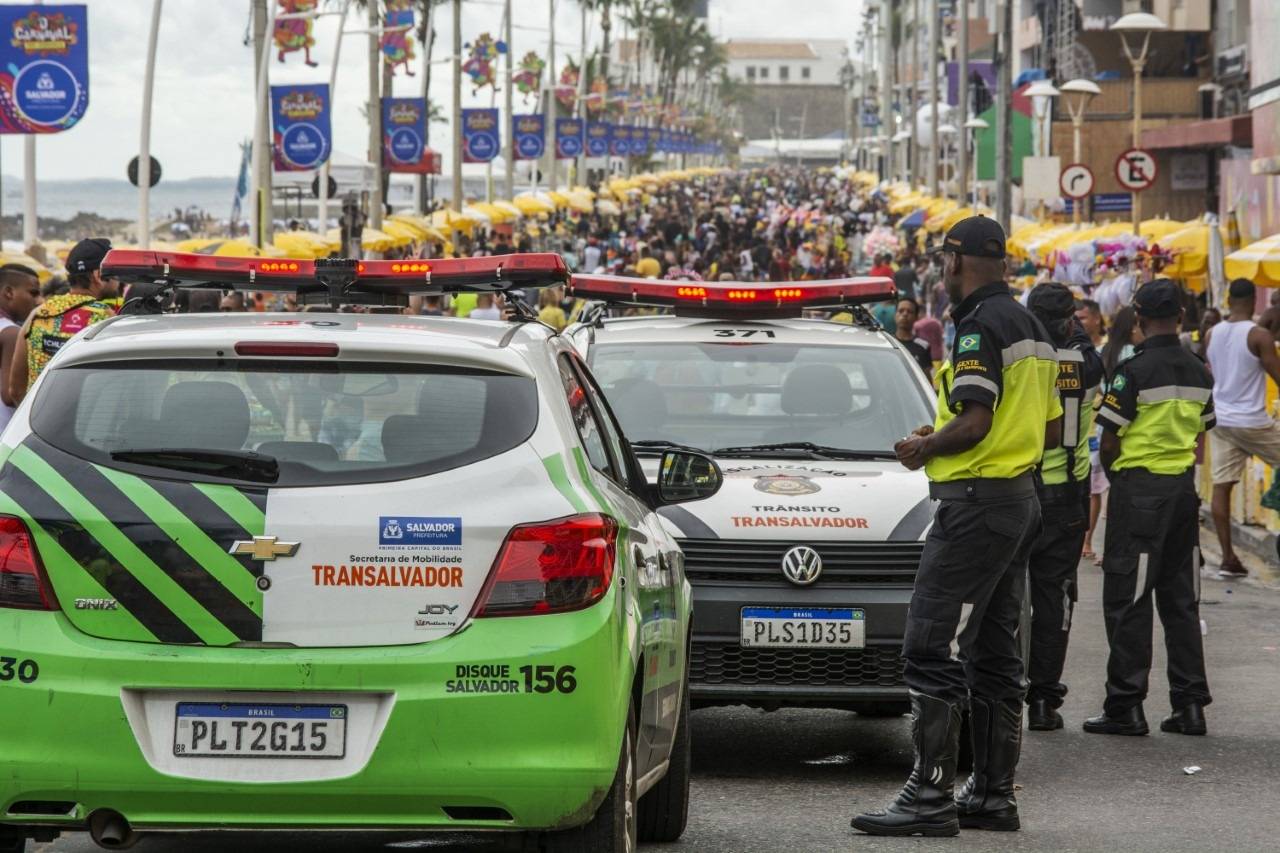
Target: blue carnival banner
654,139
530,135
619,140
44,67
597,139
300,127
639,141
404,136
480,140
568,138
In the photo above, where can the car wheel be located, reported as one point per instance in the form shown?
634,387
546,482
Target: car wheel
12,844
664,810
613,829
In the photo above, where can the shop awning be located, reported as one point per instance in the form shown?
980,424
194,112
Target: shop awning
1211,133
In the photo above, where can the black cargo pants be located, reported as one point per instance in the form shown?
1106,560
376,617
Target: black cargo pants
1152,546
963,620
1052,573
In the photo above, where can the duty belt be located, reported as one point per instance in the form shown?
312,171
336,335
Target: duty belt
1061,493
983,489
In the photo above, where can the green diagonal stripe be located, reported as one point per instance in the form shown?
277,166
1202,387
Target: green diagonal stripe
560,477
74,582
217,562
171,595
232,501
590,484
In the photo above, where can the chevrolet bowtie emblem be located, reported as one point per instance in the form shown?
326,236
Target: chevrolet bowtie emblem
264,548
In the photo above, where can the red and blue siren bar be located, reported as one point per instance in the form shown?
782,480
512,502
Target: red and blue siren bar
737,297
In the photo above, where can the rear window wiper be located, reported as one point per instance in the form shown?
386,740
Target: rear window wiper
803,447
658,446
232,464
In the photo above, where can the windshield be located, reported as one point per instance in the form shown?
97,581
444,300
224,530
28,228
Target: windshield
719,395
283,423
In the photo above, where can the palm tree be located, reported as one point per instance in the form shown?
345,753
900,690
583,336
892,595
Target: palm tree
604,7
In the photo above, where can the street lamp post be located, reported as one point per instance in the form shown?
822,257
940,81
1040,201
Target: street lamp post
1041,93
1080,92
1139,24
973,125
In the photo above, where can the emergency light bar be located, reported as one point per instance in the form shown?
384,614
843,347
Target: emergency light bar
339,280
731,298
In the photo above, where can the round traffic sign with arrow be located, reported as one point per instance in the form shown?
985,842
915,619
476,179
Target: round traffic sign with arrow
1076,180
1136,169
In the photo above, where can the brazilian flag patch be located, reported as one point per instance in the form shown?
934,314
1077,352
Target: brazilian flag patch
969,343
1118,383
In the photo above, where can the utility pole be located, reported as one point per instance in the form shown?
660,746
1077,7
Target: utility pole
509,154
551,100
322,204
887,127
935,44
580,167
428,43
144,148
1004,124
261,220
456,201
962,159
375,114
916,166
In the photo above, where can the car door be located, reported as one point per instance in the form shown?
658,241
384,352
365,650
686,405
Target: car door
654,580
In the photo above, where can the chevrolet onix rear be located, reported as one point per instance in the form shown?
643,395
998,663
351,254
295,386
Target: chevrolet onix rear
329,570
802,567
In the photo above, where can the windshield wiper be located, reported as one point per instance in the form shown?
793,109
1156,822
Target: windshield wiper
807,448
657,446
232,464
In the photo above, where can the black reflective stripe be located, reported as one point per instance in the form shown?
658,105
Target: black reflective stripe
215,523
689,525
152,541
95,559
258,496
913,524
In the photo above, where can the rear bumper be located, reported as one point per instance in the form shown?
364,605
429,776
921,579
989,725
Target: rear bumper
722,671
73,737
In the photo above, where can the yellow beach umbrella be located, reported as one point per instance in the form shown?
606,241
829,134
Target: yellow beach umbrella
1259,262
42,272
531,205
558,199
303,245
404,231
510,208
1155,230
372,240
194,244
450,219
238,249
1190,250
497,215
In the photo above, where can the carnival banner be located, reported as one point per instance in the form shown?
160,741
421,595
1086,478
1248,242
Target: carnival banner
294,34
44,68
404,137
396,40
529,133
300,127
639,141
568,138
598,134
480,137
619,140
653,139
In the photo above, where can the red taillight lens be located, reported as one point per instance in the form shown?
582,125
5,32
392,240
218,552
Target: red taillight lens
551,567
22,583
287,349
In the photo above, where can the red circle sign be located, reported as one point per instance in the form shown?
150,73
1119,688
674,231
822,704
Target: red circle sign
1076,180
1136,169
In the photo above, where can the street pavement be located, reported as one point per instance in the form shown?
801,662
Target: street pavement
790,780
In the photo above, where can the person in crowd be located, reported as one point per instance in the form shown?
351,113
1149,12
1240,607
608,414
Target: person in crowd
908,313
1157,404
19,296
1241,354
549,310
883,266
90,299
648,266
1089,316
487,308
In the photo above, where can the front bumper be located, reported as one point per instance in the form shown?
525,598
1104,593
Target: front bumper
722,671
436,759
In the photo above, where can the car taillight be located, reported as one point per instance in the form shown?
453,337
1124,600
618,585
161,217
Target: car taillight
22,582
551,567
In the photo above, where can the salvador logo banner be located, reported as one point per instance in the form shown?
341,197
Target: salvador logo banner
404,136
44,68
480,142
619,140
568,138
639,141
529,132
597,139
300,130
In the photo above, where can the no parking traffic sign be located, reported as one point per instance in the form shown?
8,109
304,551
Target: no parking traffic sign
1136,169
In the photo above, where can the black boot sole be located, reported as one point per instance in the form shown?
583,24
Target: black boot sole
991,824
1044,725
948,829
1126,731
1175,729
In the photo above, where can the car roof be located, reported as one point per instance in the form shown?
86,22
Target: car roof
798,330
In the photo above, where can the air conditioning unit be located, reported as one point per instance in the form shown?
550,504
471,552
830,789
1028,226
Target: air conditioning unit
1232,63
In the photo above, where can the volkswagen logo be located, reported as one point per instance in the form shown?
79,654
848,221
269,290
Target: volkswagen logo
802,565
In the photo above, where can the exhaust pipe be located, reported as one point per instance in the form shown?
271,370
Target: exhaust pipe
110,831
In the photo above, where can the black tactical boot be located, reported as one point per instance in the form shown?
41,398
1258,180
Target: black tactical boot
1187,720
1042,718
986,799
1128,722
925,805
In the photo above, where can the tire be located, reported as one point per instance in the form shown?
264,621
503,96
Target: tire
613,828
12,844
664,809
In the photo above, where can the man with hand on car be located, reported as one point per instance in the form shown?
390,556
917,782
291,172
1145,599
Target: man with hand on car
998,409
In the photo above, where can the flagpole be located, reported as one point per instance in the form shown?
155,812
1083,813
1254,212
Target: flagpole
144,146
457,114
551,102
323,211
510,154
258,230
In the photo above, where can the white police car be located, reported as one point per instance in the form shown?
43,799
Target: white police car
802,566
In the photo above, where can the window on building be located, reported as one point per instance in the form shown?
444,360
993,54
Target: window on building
764,72
784,73
804,72
751,72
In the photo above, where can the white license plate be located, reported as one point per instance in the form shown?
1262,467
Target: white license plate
230,730
804,628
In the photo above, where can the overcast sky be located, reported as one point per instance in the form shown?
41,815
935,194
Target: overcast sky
204,79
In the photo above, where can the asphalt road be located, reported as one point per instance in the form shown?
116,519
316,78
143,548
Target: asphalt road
790,780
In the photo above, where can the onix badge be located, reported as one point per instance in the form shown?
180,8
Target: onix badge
264,548
802,565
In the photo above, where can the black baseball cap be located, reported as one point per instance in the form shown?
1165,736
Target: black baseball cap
86,256
1051,300
976,236
1158,299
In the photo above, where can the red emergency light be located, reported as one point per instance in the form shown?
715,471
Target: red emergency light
734,298
340,280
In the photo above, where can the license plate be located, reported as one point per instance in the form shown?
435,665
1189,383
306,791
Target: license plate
808,628
228,730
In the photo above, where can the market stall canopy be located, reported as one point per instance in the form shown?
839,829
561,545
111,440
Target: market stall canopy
372,240
303,245
1259,262
235,249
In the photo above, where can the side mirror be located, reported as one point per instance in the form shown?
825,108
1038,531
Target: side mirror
687,476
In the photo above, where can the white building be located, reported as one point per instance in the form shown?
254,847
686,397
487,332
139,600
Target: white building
786,61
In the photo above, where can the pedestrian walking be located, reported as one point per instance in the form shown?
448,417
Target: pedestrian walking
19,296
1156,405
997,410
1241,355
1063,487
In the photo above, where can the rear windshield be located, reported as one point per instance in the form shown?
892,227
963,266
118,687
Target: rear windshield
713,395
322,424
